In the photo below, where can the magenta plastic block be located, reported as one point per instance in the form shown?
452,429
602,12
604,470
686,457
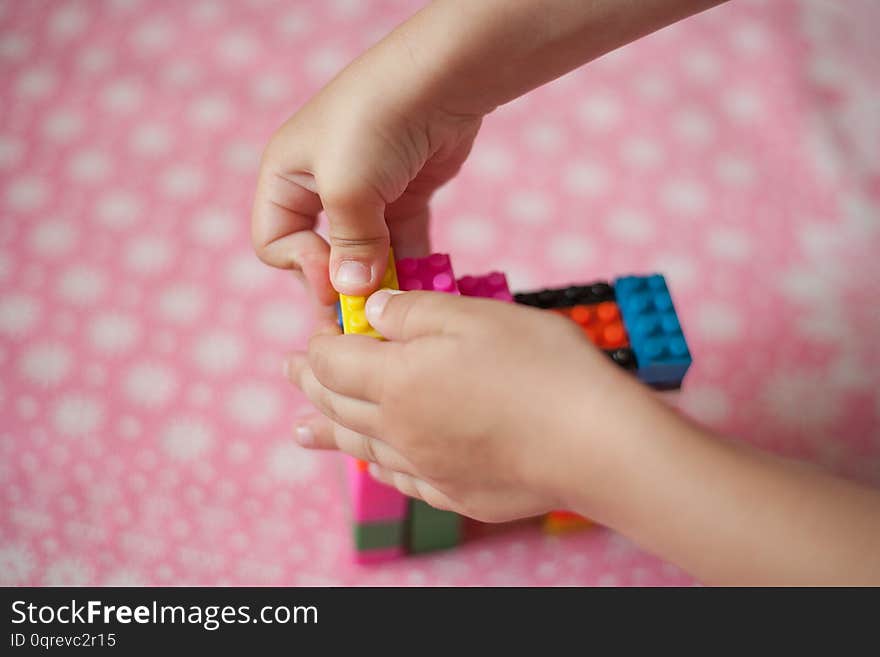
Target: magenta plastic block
372,501
490,286
378,556
431,273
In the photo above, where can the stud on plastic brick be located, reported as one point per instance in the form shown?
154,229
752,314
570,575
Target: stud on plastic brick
601,322
575,295
491,286
431,273
354,319
654,330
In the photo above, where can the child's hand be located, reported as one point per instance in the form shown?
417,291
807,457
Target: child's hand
398,122
370,148
489,409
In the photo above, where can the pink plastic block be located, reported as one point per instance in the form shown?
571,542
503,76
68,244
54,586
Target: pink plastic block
490,286
372,501
431,273
377,556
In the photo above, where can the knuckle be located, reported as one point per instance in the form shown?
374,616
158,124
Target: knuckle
329,405
348,242
369,450
321,363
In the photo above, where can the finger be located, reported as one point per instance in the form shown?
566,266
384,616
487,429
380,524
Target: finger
412,486
407,315
356,414
283,218
354,366
318,432
358,235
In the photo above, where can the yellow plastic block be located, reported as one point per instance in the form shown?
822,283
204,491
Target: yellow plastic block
354,319
557,522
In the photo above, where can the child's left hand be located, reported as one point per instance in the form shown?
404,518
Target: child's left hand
490,409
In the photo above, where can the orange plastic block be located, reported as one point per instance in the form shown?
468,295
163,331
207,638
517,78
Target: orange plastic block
601,322
354,319
557,522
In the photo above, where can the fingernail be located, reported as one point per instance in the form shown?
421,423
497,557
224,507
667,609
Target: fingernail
373,470
352,272
305,436
376,304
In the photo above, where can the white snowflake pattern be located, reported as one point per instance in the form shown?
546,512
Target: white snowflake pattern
113,332
288,463
181,303
17,564
218,351
254,404
282,322
81,284
187,438
68,572
18,314
45,363
150,384
76,414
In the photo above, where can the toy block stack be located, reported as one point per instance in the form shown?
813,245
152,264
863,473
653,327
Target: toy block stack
429,528
379,512
633,321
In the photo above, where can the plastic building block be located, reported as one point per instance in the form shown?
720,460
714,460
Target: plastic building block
601,322
339,317
431,273
378,511
354,319
575,295
557,522
654,330
625,357
371,500
491,286
378,535
378,555
432,529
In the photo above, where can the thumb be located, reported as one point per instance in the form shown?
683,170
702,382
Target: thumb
405,316
358,237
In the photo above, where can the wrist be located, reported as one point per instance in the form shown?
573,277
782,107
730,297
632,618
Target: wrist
619,452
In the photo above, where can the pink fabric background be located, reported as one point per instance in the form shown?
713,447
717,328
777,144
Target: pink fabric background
145,422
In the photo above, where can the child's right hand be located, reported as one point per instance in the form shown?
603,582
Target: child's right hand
493,410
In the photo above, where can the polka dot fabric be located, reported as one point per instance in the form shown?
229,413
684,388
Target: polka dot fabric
145,435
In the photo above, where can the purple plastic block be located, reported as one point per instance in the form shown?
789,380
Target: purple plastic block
372,501
431,273
491,286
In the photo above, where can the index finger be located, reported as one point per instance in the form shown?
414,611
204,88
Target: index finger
283,219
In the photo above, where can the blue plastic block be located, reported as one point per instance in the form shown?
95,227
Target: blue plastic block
339,316
654,330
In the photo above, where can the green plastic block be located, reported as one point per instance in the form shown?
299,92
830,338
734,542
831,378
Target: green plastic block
432,529
373,535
